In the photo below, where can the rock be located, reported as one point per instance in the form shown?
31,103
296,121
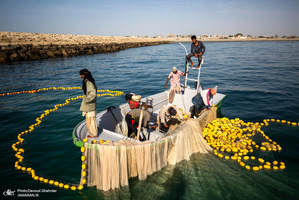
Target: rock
3,55
13,56
64,53
50,54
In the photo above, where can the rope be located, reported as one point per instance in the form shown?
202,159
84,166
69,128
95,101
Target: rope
20,151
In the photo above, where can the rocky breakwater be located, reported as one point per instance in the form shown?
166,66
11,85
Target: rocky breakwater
34,46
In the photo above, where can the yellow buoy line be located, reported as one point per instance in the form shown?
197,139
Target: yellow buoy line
232,139
108,92
20,151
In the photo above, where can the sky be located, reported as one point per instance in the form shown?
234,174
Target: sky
151,17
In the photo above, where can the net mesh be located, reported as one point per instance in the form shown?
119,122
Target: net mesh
111,165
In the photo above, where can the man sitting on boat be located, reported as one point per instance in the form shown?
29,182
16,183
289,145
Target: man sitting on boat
175,84
197,50
132,119
167,112
202,101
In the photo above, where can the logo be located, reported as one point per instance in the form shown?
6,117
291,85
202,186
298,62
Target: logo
9,192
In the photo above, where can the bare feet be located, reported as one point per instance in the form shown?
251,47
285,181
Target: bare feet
192,64
197,67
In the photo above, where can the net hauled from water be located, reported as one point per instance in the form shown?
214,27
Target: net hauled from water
110,166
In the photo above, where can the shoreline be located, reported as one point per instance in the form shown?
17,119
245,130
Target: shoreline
15,46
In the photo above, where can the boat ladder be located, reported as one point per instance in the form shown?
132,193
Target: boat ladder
198,75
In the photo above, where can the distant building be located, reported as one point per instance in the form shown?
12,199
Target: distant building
206,36
170,35
159,36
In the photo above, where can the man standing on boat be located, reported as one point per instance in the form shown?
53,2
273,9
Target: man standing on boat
197,50
89,102
132,119
175,84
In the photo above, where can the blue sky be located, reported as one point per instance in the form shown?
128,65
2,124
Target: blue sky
152,17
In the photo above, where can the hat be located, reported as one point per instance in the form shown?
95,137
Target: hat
174,69
136,98
172,111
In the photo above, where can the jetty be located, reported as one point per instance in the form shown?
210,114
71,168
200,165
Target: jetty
16,46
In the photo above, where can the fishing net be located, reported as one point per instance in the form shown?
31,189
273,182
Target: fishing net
110,166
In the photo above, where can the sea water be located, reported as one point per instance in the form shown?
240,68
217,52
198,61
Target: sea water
260,81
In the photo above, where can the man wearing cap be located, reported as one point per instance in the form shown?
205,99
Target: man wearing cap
197,50
175,84
166,113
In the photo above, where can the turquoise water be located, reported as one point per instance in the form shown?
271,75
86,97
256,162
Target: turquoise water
260,80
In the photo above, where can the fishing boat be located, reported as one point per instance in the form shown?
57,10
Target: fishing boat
112,125
114,157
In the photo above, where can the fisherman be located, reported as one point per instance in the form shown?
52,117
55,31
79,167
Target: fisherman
132,119
207,96
133,100
197,50
202,101
166,113
175,84
89,102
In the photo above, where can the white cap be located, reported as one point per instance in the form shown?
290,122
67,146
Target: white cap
174,69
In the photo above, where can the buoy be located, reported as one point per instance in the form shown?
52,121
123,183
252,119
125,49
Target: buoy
56,183
80,187
282,166
83,181
247,167
246,157
61,185
268,163
83,166
241,164
51,182
85,140
66,186
260,160
267,166
255,168
73,188
82,149
83,158
84,173
263,148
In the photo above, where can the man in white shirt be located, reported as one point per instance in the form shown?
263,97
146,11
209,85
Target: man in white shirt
175,84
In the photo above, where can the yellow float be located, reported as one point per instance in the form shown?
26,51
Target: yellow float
236,137
39,121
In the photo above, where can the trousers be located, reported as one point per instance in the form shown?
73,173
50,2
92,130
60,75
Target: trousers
188,57
91,123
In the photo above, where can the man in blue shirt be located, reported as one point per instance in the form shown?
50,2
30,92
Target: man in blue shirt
197,50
